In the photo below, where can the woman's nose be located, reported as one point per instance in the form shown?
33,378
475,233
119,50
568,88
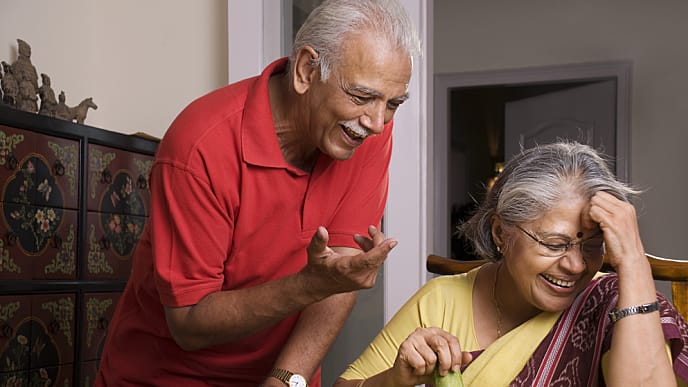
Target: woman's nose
574,260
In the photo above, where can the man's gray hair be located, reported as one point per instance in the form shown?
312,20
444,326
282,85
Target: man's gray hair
533,182
334,21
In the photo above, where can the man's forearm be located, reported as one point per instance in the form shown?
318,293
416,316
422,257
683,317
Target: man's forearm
315,332
226,316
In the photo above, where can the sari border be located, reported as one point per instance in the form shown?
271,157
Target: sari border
554,351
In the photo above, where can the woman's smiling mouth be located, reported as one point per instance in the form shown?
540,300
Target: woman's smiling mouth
558,282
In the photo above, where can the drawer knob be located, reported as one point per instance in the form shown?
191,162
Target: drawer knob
6,331
104,243
56,241
12,162
105,177
54,326
58,168
142,182
11,238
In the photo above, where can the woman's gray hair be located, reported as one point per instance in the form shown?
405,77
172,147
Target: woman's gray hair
334,21
533,182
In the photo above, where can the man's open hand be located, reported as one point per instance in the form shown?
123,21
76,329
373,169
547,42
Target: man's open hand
340,270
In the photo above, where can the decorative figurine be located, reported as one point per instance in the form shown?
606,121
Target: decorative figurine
76,113
26,75
19,89
48,101
10,86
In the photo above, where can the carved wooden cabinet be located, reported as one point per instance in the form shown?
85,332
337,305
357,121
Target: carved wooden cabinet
73,203
117,205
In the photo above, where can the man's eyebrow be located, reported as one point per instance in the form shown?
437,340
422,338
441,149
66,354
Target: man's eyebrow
374,93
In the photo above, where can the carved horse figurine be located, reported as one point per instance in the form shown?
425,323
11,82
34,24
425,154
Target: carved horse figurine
80,110
77,112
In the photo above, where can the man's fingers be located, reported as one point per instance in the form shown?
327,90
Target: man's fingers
380,251
318,244
364,243
376,235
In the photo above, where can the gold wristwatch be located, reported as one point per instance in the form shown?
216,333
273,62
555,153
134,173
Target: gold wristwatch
289,378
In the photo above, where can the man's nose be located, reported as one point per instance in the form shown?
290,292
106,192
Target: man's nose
374,117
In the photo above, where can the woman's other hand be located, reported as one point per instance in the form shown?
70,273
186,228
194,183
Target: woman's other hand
619,224
422,351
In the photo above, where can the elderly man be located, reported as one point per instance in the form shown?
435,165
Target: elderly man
267,196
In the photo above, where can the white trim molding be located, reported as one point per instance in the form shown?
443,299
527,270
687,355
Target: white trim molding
406,216
254,30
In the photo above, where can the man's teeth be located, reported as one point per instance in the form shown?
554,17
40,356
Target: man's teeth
355,132
558,282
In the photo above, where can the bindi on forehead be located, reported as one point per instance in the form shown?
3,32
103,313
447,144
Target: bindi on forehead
579,234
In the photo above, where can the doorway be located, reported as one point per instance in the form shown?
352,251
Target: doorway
483,118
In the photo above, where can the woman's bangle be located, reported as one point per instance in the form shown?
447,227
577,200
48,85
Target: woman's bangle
361,383
616,315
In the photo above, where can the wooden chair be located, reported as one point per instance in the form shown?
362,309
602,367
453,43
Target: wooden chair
663,269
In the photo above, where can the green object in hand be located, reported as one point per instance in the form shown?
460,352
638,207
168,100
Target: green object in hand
452,379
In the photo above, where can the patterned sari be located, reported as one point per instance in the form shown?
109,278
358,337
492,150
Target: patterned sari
570,355
551,349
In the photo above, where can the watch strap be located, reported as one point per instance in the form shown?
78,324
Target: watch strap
282,374
616,315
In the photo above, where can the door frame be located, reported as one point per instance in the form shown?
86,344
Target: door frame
444,83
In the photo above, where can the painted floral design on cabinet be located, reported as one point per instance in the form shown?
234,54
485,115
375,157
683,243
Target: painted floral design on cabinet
39,201
118,204
36,340
68,226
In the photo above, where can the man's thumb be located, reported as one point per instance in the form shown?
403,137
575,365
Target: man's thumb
318,242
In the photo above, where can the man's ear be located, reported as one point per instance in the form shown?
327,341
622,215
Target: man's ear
305,69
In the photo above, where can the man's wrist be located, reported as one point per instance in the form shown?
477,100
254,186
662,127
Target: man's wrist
289,378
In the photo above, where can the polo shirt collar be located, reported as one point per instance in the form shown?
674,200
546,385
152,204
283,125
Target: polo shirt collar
258,134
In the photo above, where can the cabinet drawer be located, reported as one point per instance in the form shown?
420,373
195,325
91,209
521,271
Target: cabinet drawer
98,311
89,371
37,331
118,181
110,243
62,375
38,169
37,242
15,333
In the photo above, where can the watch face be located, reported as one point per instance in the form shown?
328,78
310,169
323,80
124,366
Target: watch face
297,381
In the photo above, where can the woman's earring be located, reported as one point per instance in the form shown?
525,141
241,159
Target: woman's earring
499,249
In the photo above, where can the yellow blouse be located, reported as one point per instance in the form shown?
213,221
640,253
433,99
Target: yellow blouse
446,302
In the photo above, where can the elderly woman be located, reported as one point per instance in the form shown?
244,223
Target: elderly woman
540,313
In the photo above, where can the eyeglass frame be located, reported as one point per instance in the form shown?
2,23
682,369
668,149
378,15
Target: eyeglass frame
566,246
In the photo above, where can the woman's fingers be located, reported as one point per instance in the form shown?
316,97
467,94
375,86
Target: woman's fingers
618,221
427,348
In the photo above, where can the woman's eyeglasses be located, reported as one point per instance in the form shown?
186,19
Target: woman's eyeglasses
592,248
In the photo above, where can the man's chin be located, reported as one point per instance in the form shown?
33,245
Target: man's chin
343,157
340,152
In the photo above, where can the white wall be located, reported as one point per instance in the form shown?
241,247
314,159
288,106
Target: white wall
141,61
489,34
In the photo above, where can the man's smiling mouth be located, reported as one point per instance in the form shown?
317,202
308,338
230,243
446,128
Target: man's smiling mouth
356,133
